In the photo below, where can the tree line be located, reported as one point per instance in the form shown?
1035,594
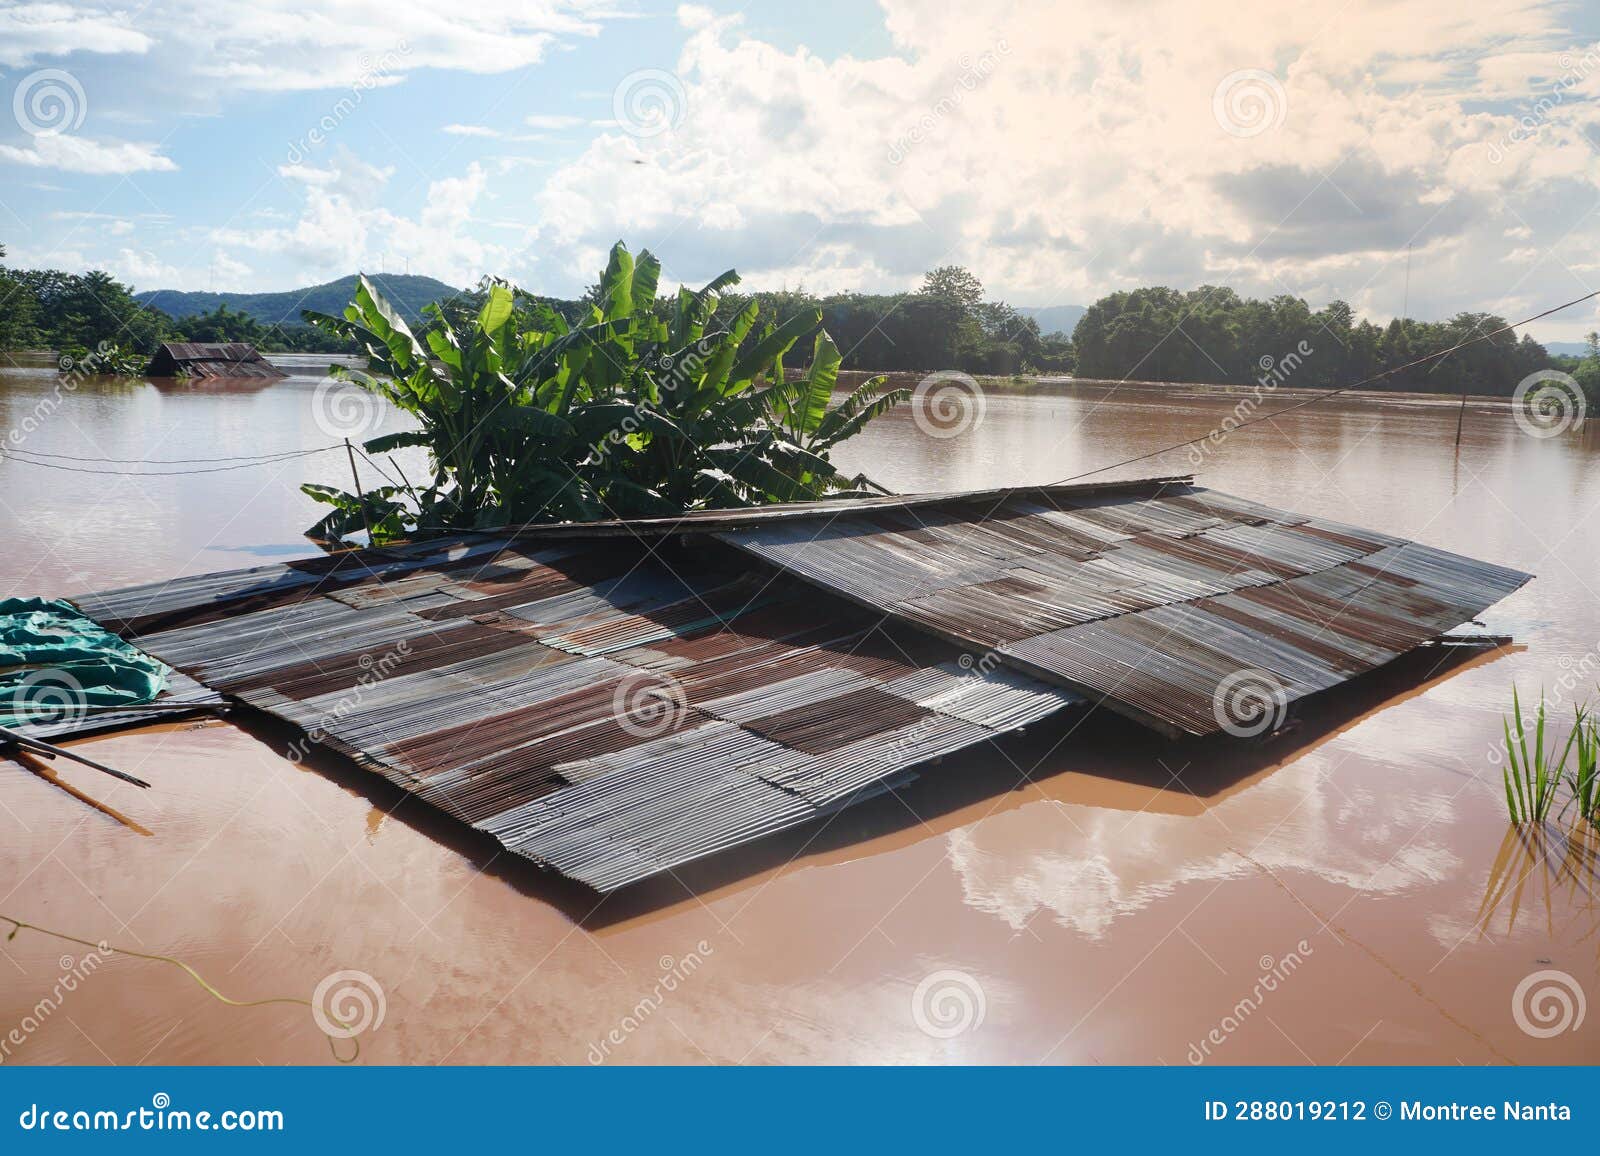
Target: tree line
51,309
1209,335
1213,335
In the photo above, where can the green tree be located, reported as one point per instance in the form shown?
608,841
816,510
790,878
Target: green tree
953,283
221,325
1211,334
19,312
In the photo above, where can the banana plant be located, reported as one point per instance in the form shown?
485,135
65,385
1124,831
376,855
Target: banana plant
803,408
626,407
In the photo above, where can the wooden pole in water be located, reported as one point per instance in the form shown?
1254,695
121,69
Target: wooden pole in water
1461,413
50,751
356,478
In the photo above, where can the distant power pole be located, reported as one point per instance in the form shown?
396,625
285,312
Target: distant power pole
1405,302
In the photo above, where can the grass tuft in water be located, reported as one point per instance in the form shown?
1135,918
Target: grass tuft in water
1585,779
1532,776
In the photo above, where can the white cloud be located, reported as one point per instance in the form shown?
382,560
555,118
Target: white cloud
31,31
1062,154
278,44
343,226
74,154
483,132
143,269
346,175
228,271
1059,153
1107,865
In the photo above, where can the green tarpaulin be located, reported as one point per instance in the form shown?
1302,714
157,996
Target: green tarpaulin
56,664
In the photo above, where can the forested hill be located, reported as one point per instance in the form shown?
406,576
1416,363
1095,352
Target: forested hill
407,293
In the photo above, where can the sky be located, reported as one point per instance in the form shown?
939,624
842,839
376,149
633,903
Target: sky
1430,156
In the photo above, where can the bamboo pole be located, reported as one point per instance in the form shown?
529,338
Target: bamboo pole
50,751
356,478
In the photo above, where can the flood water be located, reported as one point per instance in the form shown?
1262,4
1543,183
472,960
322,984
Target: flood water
1084,893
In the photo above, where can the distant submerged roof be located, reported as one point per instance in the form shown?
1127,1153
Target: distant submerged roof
200,359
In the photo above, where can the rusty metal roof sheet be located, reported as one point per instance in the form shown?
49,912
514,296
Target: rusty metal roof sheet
708,520
212,359
592,706
1159,601
182,697
615,705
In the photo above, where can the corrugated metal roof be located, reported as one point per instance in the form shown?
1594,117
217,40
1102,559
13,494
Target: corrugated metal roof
1161,603
592,706
211,351
709,520
182,697
207,359
615,706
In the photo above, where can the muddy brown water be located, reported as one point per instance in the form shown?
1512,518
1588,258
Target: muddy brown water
1083,893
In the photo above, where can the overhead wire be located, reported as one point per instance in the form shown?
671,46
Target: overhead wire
27,459
185,461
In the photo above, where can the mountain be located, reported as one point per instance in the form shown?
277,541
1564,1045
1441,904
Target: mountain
1565,348
1054,318
407,293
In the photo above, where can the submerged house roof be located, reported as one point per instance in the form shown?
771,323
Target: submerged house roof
592,706
612,705
197,359
1147,602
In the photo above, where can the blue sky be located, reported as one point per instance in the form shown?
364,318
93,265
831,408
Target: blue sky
1059,152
